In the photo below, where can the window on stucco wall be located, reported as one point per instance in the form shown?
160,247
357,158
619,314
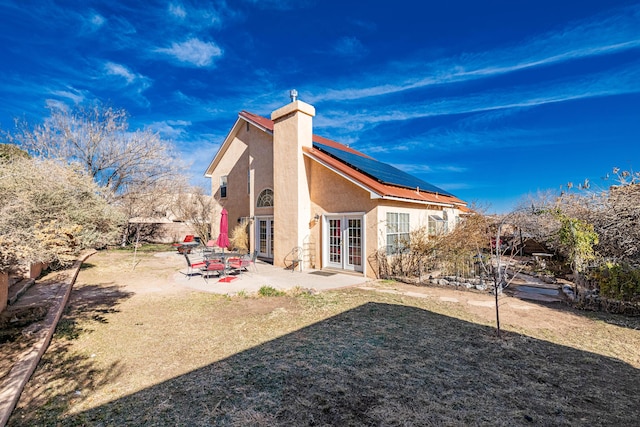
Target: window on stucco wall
265,199
223,186
437,225
397,232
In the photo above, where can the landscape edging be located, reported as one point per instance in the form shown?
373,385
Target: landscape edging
13,385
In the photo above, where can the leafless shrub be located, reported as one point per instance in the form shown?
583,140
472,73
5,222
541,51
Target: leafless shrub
239,238
49,212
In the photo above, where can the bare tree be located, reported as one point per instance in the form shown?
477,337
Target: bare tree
613,211
501,254
99,140
138,168
194,206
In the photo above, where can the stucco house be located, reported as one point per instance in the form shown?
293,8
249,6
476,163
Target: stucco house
294,189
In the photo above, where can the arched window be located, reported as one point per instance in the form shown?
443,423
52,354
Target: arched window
265,199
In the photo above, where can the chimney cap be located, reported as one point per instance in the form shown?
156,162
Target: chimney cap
293,94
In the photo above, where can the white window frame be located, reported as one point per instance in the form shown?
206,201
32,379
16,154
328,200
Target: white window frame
260,198
344,237
398,231
437,225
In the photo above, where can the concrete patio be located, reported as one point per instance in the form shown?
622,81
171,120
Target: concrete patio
269,275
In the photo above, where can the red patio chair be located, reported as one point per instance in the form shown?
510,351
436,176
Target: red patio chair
243,263
181,247
235,264
252,260
193,264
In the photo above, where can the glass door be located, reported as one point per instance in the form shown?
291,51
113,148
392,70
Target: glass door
264,237
354,244
344,240
335,242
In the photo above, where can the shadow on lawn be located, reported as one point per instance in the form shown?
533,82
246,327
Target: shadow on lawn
89,302
383,364
65,371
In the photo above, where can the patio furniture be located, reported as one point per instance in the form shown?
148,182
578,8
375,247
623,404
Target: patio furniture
252,260
243,262
213,266
293,259
235,263
187,247
193,264
187,244
209,247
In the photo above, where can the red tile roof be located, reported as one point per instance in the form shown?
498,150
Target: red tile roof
256,119
384,190
268,124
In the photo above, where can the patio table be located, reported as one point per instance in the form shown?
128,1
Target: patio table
186,247
223,257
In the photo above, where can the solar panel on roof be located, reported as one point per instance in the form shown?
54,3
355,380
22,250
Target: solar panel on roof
382,172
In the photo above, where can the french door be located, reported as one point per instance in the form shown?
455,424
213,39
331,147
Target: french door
343,242
264,237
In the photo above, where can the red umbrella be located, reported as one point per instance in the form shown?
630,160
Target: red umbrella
223,238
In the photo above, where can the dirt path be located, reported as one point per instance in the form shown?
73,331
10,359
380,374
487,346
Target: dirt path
514,311
533,288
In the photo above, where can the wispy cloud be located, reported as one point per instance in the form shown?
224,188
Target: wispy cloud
422,168
177,10
611,83
195,17
462,139
74,95
120,70
193,52
97,20
598,36
349,47
117,76
280,4
171,129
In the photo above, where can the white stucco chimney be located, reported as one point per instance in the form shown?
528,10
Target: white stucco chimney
292,130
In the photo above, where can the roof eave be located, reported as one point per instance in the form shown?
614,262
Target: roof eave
223,148
375,194
419,202
372,193
229,138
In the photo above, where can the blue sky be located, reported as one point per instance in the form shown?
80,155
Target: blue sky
490,100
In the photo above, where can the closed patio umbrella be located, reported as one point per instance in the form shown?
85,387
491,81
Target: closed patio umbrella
223,237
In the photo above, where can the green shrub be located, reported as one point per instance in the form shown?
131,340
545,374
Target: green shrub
618,281
268,291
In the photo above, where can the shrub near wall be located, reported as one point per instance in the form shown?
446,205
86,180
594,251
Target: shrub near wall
618,281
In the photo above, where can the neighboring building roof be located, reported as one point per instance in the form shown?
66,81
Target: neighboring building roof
380,178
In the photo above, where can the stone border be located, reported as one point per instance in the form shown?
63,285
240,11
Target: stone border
16,291
12,386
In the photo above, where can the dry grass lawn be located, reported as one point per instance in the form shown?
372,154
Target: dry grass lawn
134,349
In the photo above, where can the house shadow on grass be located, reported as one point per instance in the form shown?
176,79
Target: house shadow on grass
90,302
63,370
384,364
